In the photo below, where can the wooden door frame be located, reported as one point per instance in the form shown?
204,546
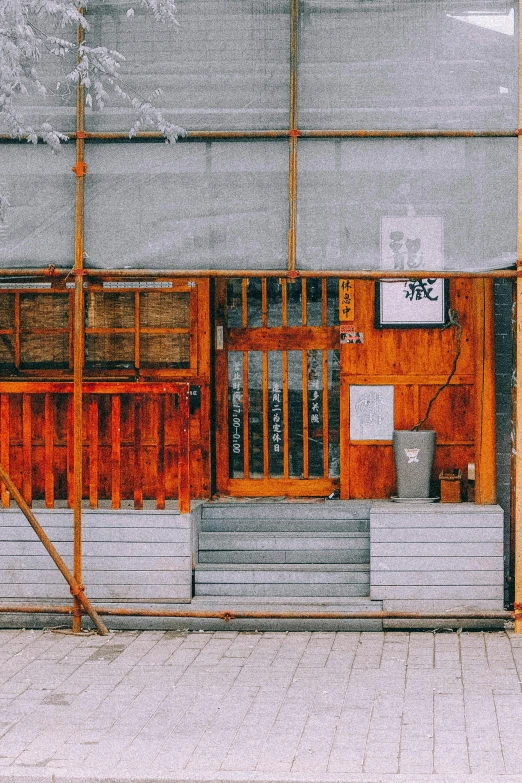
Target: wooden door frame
324,338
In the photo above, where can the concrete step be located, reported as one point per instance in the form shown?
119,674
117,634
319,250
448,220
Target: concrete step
288,526
277,511
273,580
270,590
273,573
340,556
283,548
286,541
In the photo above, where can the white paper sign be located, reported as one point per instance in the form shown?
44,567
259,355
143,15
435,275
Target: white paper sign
371,412
412,302
412,243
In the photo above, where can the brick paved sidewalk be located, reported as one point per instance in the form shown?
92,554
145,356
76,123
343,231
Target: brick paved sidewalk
260,706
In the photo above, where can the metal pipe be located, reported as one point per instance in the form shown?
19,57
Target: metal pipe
228,615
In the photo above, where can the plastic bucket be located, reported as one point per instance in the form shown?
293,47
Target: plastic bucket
413,453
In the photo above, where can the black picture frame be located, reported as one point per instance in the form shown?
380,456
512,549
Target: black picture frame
423,314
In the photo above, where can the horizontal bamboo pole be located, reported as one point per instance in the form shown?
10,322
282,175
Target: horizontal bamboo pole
76,588
242,615
306,133
370,274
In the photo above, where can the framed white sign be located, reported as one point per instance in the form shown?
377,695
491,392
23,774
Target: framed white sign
371,412
409,304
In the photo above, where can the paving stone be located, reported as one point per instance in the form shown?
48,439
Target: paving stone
272,704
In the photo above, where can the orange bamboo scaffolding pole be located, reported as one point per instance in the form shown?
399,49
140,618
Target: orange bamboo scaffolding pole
517,398
268,133
78,342
139,274
77,588
228,615
292,140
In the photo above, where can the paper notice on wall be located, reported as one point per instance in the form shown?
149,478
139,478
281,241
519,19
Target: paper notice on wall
371,412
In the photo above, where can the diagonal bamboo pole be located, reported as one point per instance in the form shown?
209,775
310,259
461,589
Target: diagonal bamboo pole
76,587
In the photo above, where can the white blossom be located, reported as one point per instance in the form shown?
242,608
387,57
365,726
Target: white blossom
28,33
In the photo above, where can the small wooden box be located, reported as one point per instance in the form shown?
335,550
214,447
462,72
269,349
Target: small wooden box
450,487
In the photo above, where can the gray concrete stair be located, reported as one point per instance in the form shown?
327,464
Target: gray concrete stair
270,549
264,580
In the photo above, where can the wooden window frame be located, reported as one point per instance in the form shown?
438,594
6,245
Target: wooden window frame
18,332
134,287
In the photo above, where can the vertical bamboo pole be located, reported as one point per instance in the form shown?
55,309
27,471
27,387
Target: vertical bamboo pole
292,141
78,341
517,399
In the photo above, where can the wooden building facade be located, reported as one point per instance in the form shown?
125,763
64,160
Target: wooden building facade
311,266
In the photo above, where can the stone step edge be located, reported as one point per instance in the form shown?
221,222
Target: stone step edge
286,534
310,567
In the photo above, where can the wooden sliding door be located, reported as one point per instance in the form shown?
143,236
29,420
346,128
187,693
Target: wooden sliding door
278,381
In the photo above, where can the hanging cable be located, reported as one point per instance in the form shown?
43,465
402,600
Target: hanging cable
454,322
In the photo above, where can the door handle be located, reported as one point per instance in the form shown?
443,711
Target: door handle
219,338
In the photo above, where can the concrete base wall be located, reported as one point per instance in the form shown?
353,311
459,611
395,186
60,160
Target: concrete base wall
129,557
437,557
430,558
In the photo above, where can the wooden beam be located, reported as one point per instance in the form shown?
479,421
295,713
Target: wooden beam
160,450
115,451
4,444
184,451
138,455
49,451
27,450
485,432
516,511
94,469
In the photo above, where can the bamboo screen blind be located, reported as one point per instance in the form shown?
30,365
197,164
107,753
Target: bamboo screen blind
34,330
128,330
142,329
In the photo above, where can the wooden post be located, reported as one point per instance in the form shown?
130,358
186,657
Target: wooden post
78,342
4,444
184,451
516,513
516,497
485,432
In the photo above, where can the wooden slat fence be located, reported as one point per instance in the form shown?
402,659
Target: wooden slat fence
135,442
